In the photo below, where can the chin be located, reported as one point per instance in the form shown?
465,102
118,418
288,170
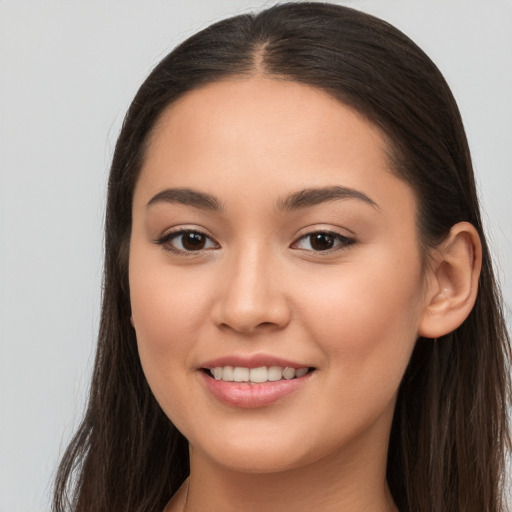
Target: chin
258,460
260,450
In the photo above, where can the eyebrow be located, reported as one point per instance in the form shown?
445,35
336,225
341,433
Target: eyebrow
187,197
301,199
313,196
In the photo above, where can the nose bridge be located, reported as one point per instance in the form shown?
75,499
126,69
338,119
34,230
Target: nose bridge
251,295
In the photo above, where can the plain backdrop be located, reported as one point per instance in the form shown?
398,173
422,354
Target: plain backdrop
68,70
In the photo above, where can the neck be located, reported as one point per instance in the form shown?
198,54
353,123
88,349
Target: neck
347,481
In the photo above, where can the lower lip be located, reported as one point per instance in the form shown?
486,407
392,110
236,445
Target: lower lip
245,395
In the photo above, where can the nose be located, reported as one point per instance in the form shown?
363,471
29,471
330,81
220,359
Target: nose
251,297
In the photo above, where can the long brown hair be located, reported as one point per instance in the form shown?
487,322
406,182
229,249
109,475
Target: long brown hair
450,430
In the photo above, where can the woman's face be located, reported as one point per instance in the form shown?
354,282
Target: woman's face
268,232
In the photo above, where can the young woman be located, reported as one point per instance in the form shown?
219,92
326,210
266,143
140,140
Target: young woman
299,308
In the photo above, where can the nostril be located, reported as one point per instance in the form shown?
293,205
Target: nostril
265,324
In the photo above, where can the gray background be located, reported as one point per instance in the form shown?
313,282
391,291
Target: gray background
68,70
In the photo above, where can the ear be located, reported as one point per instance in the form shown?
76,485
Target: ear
452,281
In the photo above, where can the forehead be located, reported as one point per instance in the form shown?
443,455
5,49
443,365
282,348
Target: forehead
255,111
244,135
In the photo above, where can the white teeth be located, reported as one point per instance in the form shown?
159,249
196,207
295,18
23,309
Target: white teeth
226,374
289,373
256,375
300,372
240,374
274,373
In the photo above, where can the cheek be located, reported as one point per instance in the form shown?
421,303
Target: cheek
168,311
365,319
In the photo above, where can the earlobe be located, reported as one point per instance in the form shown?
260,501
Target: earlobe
453,281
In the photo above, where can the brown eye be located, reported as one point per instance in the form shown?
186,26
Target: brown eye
187,241
192,241
322,241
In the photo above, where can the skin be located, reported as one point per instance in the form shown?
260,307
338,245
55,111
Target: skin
258,286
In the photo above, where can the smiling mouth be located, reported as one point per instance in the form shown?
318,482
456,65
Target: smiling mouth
256,375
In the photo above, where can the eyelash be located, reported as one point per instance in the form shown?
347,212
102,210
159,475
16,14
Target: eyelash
166,241
341,241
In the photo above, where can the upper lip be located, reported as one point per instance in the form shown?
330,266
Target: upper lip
253,361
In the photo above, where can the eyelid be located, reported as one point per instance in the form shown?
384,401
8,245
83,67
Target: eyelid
165,240
345,241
